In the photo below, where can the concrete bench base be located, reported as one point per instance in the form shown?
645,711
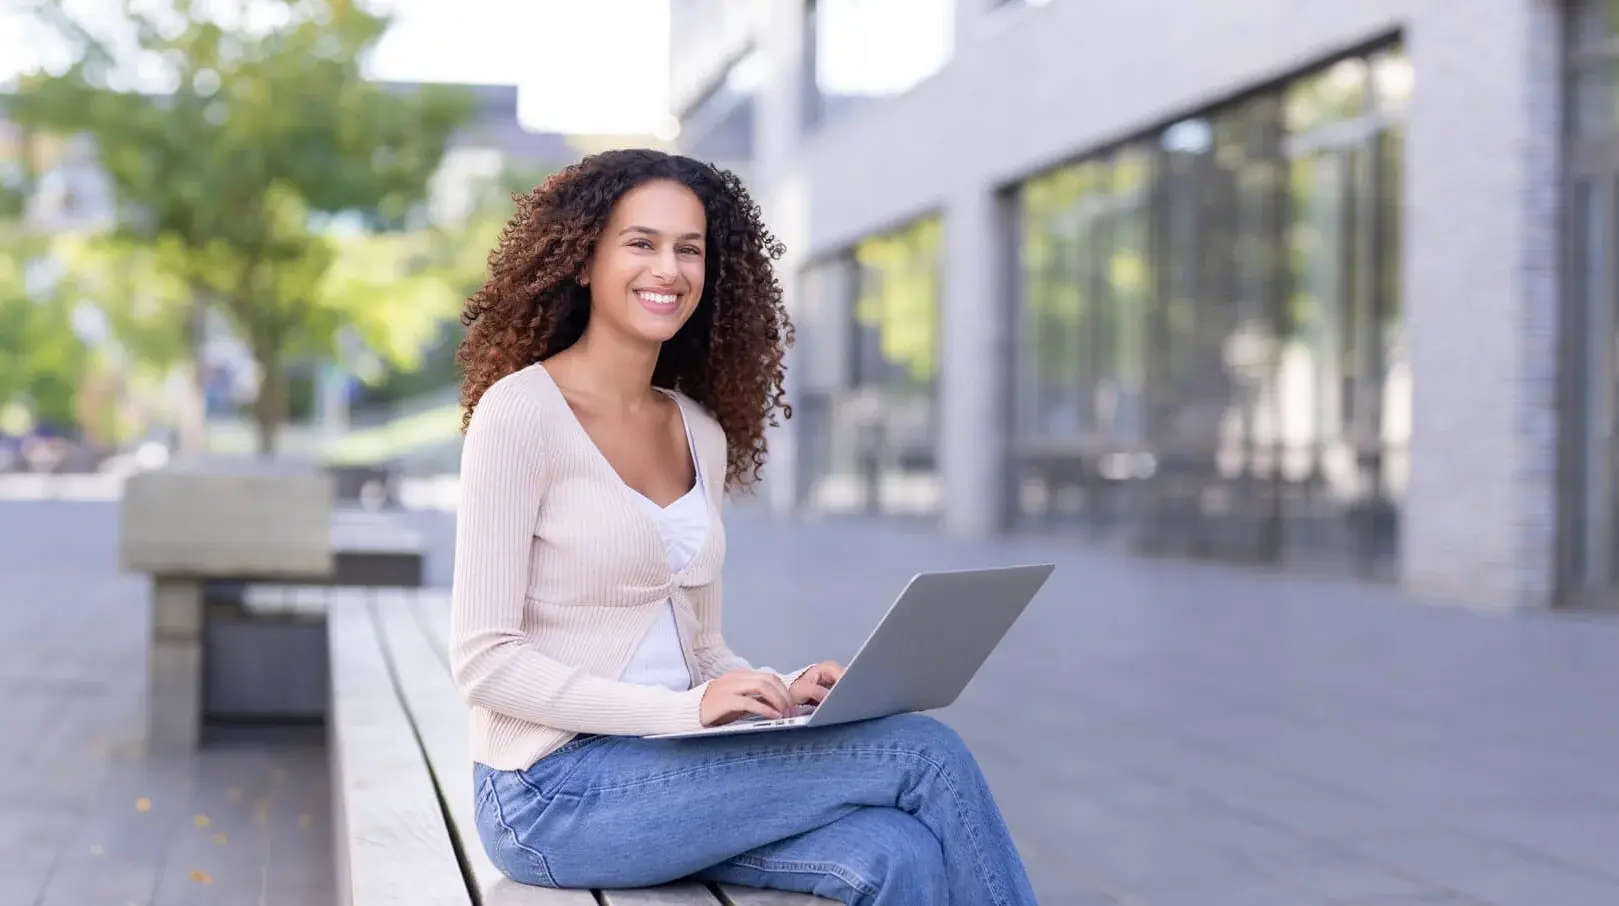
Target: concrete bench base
204,531
401,776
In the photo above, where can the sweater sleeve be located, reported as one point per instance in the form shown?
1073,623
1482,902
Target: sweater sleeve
503,484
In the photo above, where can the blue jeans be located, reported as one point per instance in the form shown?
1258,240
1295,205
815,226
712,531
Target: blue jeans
888,812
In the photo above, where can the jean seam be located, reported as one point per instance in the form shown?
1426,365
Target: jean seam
523,779
786,866
736,760
566,775
500,818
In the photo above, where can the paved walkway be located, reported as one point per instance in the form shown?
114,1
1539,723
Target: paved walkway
1158,732
1162,732
86,818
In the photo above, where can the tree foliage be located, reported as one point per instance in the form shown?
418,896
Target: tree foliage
253,177
42,358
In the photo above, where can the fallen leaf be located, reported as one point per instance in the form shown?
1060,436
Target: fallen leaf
200,820
143,804
202,877
219,838
234,794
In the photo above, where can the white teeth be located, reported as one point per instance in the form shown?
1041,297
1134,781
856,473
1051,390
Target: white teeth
659,298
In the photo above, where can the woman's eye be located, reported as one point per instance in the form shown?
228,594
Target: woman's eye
691,250
641,243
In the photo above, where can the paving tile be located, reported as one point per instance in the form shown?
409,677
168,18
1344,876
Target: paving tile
1234,893
1581,833
1336,876
1496,873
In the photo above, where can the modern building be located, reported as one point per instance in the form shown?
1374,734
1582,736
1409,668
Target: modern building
1322,284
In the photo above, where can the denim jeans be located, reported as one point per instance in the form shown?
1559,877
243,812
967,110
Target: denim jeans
887,812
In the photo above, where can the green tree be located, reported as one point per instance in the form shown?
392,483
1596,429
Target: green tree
231,177
42,358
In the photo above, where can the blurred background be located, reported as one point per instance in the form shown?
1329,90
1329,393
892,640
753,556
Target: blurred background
1319,296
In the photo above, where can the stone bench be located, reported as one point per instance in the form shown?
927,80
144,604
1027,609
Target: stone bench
206,533
402,775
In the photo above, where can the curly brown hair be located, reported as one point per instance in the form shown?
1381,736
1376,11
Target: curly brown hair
727,357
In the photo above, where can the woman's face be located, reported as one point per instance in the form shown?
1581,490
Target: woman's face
646,274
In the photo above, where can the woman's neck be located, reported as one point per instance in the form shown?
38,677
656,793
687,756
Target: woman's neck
614,369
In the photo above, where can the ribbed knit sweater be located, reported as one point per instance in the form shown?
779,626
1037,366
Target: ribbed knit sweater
558,575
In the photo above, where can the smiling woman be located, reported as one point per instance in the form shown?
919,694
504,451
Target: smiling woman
641,215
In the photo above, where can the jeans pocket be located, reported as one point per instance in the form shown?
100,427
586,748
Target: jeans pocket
546,777
506,813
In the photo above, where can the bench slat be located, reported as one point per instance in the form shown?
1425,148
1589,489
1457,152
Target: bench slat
392,843
749,896
441,723
681,894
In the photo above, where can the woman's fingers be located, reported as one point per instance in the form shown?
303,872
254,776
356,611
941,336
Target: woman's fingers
745,692
828,673
810,694
770,688
747,704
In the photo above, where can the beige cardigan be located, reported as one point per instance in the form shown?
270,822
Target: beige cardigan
559,574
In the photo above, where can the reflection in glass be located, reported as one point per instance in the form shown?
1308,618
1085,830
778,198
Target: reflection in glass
1595,22
1595,101
876,421
1082,328
1211,360
1336,93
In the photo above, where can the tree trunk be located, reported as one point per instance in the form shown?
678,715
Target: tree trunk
191,433
270,406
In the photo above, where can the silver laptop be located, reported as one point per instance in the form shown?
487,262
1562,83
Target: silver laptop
922,654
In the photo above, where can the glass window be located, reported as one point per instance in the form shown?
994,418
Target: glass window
856,49
1082,380
1595,22
1211,353
869,389
1050,335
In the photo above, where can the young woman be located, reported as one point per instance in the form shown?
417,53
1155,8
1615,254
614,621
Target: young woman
622,363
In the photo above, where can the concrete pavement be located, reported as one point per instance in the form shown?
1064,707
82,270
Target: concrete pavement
1157,732
86,818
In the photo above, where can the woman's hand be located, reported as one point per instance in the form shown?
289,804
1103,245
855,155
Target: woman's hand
744,692
813,684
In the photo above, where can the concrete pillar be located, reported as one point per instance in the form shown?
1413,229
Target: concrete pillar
1481,294
174,669
778,128
975,414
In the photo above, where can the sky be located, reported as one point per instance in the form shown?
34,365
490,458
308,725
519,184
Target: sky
581,66
553,50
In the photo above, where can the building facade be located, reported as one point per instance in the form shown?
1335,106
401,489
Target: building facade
1322,285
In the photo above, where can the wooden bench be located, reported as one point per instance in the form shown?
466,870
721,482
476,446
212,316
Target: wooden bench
402,793
375,548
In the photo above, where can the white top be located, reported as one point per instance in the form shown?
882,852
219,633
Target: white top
683,525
